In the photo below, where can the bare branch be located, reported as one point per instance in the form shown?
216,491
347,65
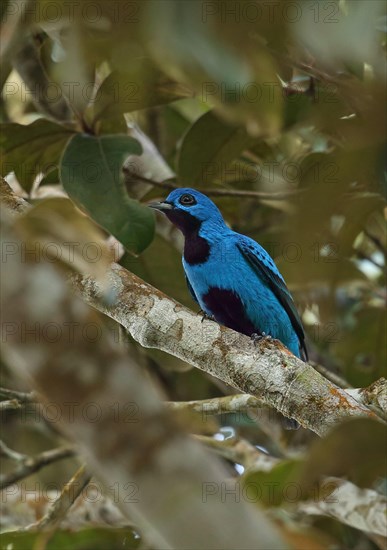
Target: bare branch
374,397
240,451
218,405
11,454
10,404
14,204
21,397
63,503
34,464
262,195
266,370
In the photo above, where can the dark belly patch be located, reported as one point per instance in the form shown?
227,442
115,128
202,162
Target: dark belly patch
227,308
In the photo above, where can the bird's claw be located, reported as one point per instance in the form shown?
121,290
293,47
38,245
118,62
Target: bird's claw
205,316
290,423
255,337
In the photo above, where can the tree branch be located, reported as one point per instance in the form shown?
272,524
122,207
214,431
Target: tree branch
20,397
374,397
10,404
32,465
63,503
261,195
11,454
218,405
266,370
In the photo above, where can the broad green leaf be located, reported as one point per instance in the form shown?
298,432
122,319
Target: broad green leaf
317,169
225,63
51,178
354,449
296,108
362,345
90,172
32,149
356,211
96,538
114,125
208,148
141,86
272,488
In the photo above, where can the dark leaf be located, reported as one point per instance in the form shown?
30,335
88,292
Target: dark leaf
85,539
33,149
355,449
208,148
141,86
91,174
276,486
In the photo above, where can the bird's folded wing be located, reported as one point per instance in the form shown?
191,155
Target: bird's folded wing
267,271
191,290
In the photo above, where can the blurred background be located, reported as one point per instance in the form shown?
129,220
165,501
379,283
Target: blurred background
276,110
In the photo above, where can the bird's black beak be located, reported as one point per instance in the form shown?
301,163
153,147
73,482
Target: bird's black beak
162,206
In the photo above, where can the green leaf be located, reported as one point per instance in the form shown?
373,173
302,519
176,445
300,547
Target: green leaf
362,345
90,172
32,149
52,178
297,106
208,148
274,487
114,125
85,539
144,85
354,449
318,168
356,211
225,63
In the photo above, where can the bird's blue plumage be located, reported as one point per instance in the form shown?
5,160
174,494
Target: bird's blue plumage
232,277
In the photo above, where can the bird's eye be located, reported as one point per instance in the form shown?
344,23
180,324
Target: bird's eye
187,200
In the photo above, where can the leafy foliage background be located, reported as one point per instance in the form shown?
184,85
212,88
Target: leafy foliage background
276,110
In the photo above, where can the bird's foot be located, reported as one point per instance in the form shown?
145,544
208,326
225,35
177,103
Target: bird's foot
205,316
290,423
255,337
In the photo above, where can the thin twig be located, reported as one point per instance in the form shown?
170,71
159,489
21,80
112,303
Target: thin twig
240,451
34,464
376,241
362,256
219,192
219,405
10,404
22,397
10,453
63,503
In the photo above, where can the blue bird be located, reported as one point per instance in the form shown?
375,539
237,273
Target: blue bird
231,277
